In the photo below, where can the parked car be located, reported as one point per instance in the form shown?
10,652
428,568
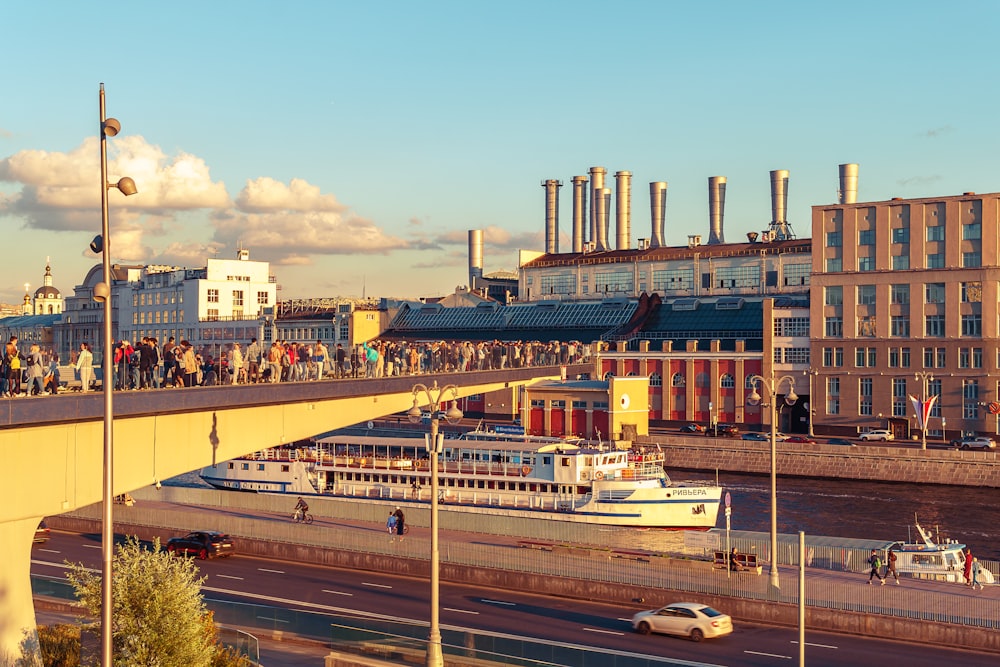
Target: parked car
840,441
42,532
800,439
881,434
759,437
974,442
686,619
202,543
723,431
692,428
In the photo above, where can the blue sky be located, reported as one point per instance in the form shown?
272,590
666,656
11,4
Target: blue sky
353,145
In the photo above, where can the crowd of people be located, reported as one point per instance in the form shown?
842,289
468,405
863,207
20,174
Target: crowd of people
146,364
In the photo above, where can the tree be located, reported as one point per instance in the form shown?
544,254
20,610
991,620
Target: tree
159,614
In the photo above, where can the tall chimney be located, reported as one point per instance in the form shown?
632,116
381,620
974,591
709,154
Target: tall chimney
552,215
848,193
657,212
475,258
603,206
779,205
579,212
623,210
716,208
596,185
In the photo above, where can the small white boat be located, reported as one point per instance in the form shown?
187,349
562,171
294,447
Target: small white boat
936,560
568,479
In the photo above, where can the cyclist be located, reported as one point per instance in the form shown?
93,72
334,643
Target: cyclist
303,507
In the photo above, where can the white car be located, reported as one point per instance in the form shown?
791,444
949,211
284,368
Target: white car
686,619
881,434
978,442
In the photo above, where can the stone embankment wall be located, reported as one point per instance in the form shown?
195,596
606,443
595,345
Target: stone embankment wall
885,463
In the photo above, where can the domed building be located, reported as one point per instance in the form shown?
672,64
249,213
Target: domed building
48,300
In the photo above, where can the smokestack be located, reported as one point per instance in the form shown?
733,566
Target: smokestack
596,185
779,205
579,211
475,257
552,215
623,210
657,212
716,208
603,206
848,193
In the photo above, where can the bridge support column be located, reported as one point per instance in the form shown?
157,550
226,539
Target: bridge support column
17,612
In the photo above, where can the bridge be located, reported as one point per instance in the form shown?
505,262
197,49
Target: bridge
53,448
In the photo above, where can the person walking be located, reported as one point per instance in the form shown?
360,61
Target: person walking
85,366
35,372
968,567
976,568
400,522
390,523
890,567
875,563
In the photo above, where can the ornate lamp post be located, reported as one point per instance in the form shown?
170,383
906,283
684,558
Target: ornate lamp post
435,443
771,386
102,293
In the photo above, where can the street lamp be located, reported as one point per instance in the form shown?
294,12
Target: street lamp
924,407
434,446
812,372
771,386
102,293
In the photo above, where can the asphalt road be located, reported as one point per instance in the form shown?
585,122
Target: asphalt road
328,590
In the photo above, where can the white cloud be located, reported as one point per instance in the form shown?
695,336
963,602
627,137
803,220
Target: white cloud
266,194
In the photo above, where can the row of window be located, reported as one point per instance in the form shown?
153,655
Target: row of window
899,294
899,357
899,326
934,260
213,297
972,231
746,276
900,403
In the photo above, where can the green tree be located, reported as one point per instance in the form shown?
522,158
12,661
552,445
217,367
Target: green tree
158,611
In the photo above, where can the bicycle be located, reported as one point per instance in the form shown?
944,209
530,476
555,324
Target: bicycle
302,517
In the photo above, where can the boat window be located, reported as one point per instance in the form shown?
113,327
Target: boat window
565,462
461,483
285,468
260,466
491,485
588,460
522,487
481,484
231,465
244,466
547,460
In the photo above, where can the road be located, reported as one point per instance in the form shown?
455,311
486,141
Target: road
328,590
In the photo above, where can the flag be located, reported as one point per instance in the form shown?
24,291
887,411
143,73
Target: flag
923,409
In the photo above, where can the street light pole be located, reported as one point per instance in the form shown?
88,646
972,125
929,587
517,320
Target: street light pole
771,386
102,293
812,372
435,657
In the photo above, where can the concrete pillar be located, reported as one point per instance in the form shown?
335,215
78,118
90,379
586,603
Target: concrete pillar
17,613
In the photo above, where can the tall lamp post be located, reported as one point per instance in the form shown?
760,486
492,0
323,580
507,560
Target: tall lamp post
102,293
771,386
812,373
924,409
433,397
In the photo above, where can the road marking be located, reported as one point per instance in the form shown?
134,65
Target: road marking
796,641
769,655
604,632
229,576
461,611
627,620
50,551
338,593
264,569
91,546
506,604
366,583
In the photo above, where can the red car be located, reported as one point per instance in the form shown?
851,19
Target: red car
801,439
203,544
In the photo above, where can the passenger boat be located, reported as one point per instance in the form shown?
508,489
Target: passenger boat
934,559
565,478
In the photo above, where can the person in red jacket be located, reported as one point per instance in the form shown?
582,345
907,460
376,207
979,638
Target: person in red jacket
123,353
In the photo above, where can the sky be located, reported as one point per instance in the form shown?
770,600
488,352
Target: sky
353,145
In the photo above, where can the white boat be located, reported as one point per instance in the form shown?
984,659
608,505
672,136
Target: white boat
567,479
934,559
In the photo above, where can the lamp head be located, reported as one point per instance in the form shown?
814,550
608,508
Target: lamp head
126,185
101,292
753,398
454,415
97,245
413,414
791,397
111,127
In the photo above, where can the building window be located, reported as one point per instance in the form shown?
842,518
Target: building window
673,279
940,357
797,274
212,314
865,396
237,297
865,356
791,326
935,233
972,292
901,262
934,326
935,260
834,327
866,263
971,260
934,389
833,396
901,235
866,237
614,282
834,239
262,298
834,265
977,357
866,326
900,294
866,295
972,325
655,380
899,397
899,326
934,293
833,357
558,284
727,381
737,276
213,296
834,296
972,231
970,399
678,380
